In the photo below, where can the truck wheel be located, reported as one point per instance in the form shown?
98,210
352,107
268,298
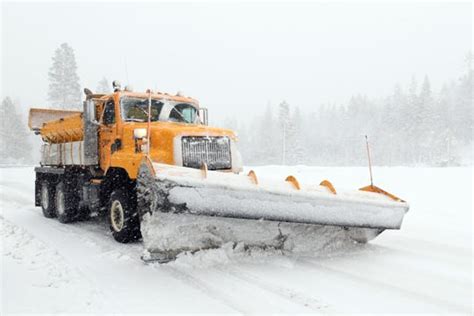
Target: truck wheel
123,218
65,208
47,200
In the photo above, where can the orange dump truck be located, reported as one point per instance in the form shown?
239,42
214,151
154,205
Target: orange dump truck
151,164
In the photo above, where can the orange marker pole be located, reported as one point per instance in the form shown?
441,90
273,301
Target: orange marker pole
370,163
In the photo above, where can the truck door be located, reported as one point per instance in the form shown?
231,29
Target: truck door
107,134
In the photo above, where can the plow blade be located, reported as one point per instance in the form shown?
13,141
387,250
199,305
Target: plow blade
184,209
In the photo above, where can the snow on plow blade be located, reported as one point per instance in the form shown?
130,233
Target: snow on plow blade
184,209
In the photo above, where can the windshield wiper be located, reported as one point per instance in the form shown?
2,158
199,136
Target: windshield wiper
179,113
139,108
133,119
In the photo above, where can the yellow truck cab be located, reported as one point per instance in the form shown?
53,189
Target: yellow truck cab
90,159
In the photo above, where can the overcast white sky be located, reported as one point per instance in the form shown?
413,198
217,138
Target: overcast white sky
236,57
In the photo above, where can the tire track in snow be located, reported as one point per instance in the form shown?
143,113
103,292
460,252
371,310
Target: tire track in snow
248,292
429,247
341,273
425,253
46,232
424,263
420,260
201,286
9,193
93,232
290,295
88,238
30,251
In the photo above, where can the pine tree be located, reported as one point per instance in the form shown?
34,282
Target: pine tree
296,146
263,142
103,86
426,119
64,88
445,112
285,129
410,123
464,107
12,129
354,123
390,123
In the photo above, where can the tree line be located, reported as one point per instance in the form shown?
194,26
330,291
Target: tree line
413,126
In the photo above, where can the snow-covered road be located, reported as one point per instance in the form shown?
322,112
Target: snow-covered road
425,267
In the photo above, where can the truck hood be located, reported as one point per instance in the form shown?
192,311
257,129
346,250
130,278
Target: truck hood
180,129
172,129
165,137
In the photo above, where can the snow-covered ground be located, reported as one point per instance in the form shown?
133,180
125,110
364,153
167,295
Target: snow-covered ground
425,267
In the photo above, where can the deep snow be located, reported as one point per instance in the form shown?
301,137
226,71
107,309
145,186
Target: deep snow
424,267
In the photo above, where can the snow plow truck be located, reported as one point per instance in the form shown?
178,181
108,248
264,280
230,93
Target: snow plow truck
151,164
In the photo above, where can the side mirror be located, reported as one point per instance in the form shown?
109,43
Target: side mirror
89,112
203,115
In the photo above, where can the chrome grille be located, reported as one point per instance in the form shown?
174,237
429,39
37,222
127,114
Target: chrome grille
213,150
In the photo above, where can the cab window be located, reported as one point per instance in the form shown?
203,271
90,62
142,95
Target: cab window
183,112
109,113
136,109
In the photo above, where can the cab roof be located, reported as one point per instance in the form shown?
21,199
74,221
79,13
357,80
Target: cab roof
154,95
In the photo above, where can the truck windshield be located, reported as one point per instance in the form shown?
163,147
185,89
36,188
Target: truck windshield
183,112
136,110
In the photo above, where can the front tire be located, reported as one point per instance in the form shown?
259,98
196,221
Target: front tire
65,204
123,217
47,200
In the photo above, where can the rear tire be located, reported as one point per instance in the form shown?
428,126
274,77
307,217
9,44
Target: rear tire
123,217
65,204
47,200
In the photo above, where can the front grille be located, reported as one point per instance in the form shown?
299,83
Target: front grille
213,150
